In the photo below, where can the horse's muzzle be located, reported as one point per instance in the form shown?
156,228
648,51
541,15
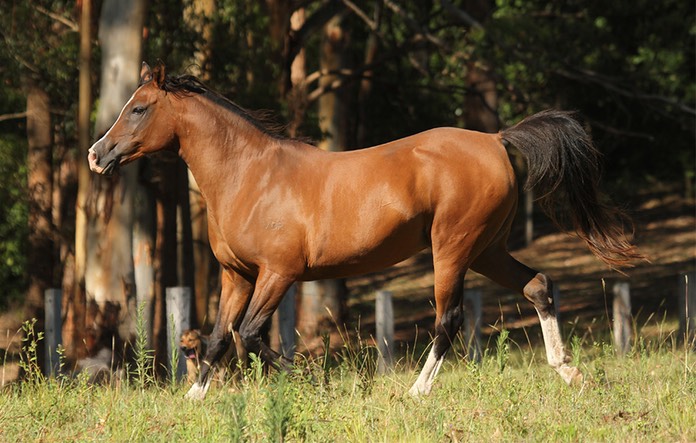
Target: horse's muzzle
94,165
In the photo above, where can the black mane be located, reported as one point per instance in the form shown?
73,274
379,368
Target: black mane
183,85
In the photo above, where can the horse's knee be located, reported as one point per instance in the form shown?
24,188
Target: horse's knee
539,291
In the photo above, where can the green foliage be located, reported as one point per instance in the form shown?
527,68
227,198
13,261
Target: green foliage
502,350
29,359
626,67
13,218
279,407
37,44
174,358
144,371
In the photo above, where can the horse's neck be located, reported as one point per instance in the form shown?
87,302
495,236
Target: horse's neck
219,146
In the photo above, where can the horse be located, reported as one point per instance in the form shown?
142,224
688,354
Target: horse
281,210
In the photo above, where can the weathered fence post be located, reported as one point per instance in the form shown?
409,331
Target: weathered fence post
286,323
623,330
472,324
53,325
687,306
179,311
384,322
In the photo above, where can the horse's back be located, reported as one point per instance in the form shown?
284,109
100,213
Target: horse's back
374,207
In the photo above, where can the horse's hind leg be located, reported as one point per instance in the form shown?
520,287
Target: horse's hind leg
236,292
497,264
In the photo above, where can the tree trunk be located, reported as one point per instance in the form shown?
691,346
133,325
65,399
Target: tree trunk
371,48
481,104
39,182
297,96
165,255
335,106
109,271
75,301
143,252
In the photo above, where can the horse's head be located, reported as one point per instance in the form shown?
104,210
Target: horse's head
142,127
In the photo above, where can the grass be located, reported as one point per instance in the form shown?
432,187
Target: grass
648,395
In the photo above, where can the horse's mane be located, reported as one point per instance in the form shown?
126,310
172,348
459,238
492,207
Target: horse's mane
263,120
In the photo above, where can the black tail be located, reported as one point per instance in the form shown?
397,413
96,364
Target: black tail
564,167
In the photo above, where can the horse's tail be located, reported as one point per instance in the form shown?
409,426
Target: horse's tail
563,167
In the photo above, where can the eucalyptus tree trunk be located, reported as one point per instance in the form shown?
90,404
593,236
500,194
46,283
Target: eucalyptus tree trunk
39,181
74,299
110,271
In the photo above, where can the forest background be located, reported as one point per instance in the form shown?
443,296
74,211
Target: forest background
346,74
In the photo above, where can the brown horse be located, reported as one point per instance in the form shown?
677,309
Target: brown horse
280,210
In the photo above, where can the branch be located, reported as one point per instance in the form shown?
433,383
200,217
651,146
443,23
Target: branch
461,16
314,22
584,75
59,18
363,16
14,116
413,24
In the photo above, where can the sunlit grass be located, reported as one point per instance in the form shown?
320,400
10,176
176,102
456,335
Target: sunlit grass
512,395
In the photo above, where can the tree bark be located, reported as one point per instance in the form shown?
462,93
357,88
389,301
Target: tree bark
109,271
75,301
371,49
297,96
165,255
39,181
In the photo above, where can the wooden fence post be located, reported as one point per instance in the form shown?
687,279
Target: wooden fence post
53,325
472,324
179,311
623,329
687,307
384,320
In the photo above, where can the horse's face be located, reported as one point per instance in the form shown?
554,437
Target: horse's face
143,127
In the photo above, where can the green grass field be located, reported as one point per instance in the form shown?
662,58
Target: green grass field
649,395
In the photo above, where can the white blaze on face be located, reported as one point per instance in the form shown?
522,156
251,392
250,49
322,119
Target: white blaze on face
92,157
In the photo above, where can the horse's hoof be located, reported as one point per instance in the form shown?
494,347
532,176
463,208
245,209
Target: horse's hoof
417,392
197,392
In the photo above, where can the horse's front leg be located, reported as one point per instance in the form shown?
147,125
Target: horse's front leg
236,292
268,293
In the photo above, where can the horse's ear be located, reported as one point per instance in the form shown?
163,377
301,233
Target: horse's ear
159,74
145,74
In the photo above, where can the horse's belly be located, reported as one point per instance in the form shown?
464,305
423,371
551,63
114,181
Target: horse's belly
359,254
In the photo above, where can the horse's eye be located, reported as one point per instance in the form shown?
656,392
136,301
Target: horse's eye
138,110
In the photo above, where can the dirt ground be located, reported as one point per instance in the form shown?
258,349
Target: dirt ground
665,230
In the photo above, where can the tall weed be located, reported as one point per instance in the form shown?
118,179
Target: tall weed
279,407
29,358
144,357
